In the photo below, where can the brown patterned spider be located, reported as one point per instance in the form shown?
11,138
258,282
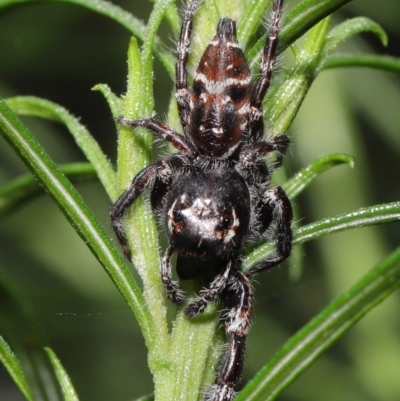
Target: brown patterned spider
214,193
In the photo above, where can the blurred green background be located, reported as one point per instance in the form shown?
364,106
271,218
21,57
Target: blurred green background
59,52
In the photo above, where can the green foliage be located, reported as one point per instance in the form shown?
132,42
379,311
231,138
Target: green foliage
182,359
14,368
66,386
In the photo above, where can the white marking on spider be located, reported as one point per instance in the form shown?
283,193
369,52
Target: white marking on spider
215,87
204,97
235,225
170,215
234,45
217,131
244,109
227,99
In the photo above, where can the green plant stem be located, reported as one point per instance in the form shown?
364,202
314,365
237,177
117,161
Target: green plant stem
324,330
134,153
195,353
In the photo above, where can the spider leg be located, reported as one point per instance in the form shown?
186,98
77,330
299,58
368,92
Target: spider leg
174,293
269,56
250,158
161,169
275,205
237,326
161,130
208,295
267,66
182,92
256,151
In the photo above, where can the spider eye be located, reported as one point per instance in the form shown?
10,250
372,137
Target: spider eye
237,93
177,213
225,221
198,87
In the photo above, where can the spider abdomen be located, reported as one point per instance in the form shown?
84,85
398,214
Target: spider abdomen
221,87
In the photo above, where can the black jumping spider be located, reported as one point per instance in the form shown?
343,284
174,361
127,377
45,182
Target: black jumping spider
214,193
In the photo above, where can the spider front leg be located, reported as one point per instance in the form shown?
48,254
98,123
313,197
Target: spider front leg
275,205
256,126
182,92
208,295
256,151
174,293
162,131
161,169
249,160
237,325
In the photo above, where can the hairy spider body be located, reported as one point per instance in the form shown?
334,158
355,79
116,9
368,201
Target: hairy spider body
214,193
203,213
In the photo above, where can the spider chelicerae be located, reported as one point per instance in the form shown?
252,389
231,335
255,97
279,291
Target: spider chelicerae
214,193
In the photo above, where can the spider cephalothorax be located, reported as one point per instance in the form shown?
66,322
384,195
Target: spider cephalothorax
214,193
206,218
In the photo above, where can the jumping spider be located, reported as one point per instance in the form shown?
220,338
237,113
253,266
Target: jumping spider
214,193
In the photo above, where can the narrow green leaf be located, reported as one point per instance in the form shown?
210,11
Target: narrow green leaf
285,102
206,21
76,211
354,26
63,379
124,18
323,331
253,55
14,368
303,178
296,23
174,20
304,16
114,102
384,63
346,30
23,189
367,216
132,107
147,53
251,20
34,106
